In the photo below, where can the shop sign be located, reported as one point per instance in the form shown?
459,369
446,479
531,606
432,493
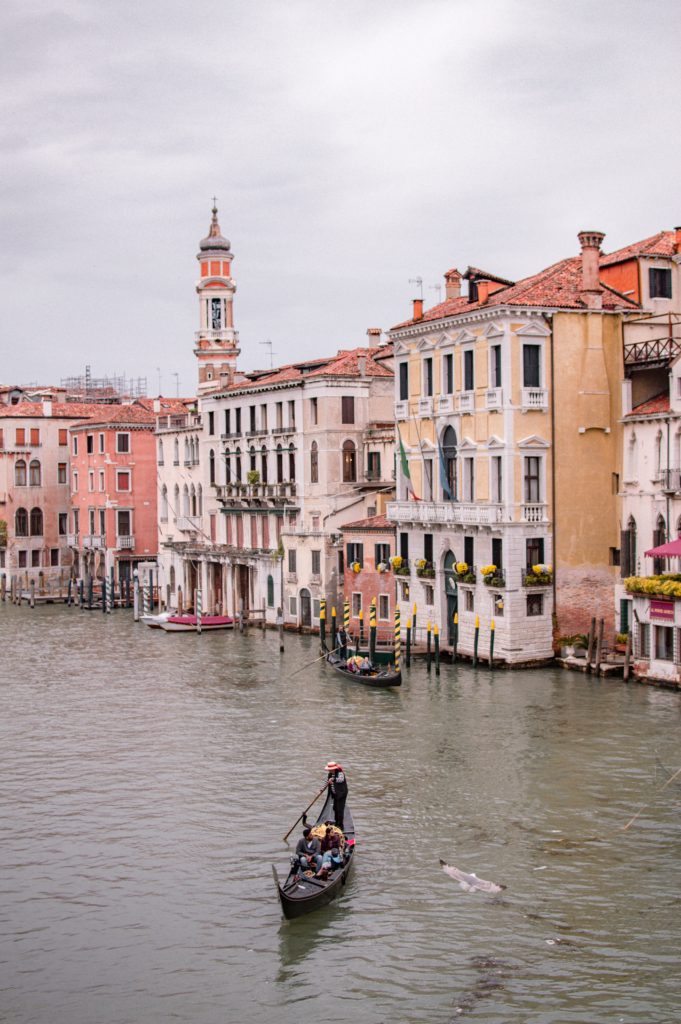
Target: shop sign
661,611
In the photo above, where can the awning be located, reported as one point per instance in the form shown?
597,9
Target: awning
670,550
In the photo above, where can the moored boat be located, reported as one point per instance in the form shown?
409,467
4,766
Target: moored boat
154,621
379,675
301,894
188,623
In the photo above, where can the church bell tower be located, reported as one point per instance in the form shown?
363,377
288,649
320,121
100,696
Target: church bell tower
216,347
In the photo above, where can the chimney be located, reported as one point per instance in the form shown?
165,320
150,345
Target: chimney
483,291
47,407
677,240
591,291
157,405
452,284
374,336
418,309
362,364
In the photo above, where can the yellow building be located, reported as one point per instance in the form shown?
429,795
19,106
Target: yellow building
508,408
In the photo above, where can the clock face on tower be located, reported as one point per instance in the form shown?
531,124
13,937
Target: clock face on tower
215,314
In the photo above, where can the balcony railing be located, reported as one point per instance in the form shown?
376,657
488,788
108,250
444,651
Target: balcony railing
290,429
259,491
215,334
445,404
671,480
125,543
72,540
494,398
402,410
93,541
260,432
426,406
534,398
467,401
188,524
446,512
535,513
231,434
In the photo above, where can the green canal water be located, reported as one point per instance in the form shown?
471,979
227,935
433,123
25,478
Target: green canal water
147,780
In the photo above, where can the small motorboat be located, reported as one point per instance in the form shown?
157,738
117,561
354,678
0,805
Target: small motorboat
380,675
188,623
300,894
154,621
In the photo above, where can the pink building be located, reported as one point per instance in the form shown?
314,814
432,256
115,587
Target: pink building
369,544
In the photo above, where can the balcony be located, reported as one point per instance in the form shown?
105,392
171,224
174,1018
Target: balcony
670,481
232,434
291,429
534,398
467,401
125,543
535,513
72,540
445,404
446,512
494,398
425,406
93,541
188,524
257,494
261,432
178,422
214,334
402,410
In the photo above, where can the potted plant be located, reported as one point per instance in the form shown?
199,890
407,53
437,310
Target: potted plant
356,567
382,566
400,565
540,575
465,572
492,576
425,569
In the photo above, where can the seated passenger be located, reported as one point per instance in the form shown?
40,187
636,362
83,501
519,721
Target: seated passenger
308,856
365,667
329,840
333,859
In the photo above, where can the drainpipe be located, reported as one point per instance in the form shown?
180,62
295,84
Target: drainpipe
553,470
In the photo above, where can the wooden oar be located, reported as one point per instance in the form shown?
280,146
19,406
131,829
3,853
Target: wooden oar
322,790
324,655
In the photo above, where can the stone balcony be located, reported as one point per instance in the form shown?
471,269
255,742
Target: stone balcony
467,401
188,524
494,398
458,513
93,542
125,542
534,398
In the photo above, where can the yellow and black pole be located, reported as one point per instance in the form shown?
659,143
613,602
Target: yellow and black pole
491,644
333,628
455,635
398,640
436,640
428,646
408,658
475,640
322,624
361,627
372,631
413,627
346,616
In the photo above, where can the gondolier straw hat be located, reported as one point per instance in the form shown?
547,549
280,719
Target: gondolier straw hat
331,766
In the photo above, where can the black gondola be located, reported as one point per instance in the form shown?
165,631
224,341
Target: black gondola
299,894
382,675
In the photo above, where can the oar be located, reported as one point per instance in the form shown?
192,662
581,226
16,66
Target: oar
322,790
324,655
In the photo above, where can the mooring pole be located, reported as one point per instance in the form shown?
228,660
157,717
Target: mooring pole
361,629
104,590
436,639
455,635
372,631
398,639
198,612
627,657
31,599
280,627
408,651
90,591
322,624
80,593
590,647
136,596
68,592
413,625
112,590
333,627
475,640
180,601
428,646
491,644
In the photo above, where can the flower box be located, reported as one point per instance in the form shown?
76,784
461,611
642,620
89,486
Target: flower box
543,579
426,574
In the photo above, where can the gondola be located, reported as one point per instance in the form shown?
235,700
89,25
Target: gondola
380,676
299,894
188,623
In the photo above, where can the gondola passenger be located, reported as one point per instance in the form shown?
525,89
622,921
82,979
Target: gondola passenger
308,856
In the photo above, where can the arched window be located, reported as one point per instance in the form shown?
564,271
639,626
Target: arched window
172,579
280,465
195,450
228,468
314,463
20,473
238,465
192,500
176,500
21,522
176,452
187,453
270,592
349,463
252,459
160,452
263,464
449,449
164,503
291,462
36,522
185,501
629,552
34,473
211,466
199,500
658,455
659,537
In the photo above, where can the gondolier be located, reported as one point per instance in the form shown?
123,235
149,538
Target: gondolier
338,786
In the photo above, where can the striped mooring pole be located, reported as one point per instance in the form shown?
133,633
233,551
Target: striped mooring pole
455,635
428,646
112,591
372,631
398,640
413,625
408,652
491,644
436,640
322,623
475,640
198,611
346,618
361,627
333,626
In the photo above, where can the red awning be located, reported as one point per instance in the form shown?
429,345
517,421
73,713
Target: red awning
670,550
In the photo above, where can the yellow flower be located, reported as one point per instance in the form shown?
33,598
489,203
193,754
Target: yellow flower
461,568
488,570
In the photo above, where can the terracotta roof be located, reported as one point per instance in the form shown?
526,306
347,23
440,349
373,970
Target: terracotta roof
661,244
174,406
652,407
60,410
121,414
344,364
558,286
372,523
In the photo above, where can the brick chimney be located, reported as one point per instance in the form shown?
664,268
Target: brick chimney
483,291
452,284
591,291
374,336
677,240
418,309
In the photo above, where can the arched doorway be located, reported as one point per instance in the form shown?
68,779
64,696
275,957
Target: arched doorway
451,592
305,608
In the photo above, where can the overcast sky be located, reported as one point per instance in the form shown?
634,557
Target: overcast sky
352,146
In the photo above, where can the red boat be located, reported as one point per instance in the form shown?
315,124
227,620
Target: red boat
188,623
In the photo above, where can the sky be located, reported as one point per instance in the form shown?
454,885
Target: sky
353,147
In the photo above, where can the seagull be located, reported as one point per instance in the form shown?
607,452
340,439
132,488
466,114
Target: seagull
470,883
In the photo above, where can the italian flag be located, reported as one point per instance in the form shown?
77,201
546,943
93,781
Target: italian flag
404,466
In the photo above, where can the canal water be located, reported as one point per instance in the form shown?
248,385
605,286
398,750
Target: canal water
147,780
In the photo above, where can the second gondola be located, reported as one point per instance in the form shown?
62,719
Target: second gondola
380,675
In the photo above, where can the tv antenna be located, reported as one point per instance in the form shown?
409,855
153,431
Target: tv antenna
418,281
272,352
177,384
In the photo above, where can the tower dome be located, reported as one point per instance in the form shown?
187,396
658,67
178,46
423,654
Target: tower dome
214,240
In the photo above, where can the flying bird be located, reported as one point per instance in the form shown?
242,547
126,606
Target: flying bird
470,882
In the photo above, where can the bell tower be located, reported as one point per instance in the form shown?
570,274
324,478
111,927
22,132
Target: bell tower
216,347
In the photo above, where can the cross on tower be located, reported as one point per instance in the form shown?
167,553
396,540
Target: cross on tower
215,202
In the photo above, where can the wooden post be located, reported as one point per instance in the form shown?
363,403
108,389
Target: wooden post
264,613
136,599
428,666
455,635
408,651
590,647
627,657
436,636
333,627
112,590
491,644
361,628
475,640
372,632
322,623
198,610
68,592
90,591
280,627
3,587
398,639
81,593
413,625
179,601
599,645
11,590
241,614
31,600
104,595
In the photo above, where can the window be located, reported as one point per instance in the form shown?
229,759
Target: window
293,606
20,473
63,519
75,446
291,560
496,479
292,414
469,479
498,552
643,640
280,464
36,522
495,366
356,604
34,473
448,374
35,437
35,559
91,480
625,615
316,563
374,466
469,550
531,366
659,537
628,549
123,443
384,607
251,419
22,560
101,444
90,443
404,381
238,465
291,463
227,421
347,409
75,479
211,466
91,517
263,417
63,437
124,523
469,600
468,371
263,464
532,479
381,554
237,416
660,283
664,643
535,604
102,522
279,415
448,456
534,552
313,411
21,523
349,463
54,556
20,436
270,592
614,556
356,554
76,521
211,422
123,480
428,547
314,463
428,594
428,377
404,546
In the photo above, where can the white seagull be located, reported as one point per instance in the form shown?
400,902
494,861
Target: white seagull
470,882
